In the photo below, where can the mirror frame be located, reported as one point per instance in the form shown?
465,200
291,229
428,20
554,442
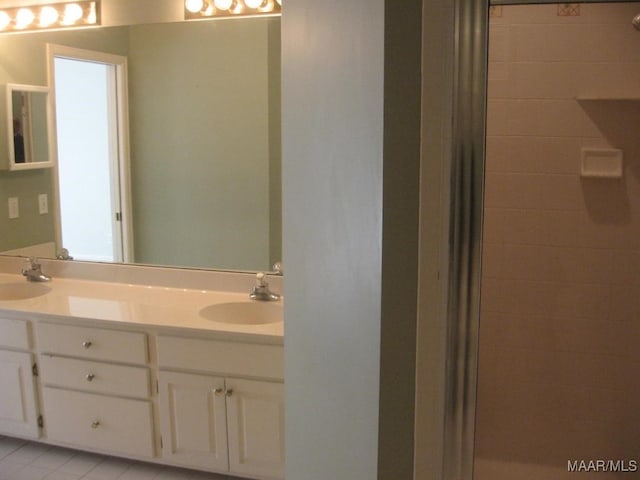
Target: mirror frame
13,166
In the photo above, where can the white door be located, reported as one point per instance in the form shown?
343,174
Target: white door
92,154
255,419
18,414
192,420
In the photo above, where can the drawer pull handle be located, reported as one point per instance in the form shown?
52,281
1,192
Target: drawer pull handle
86,344
95,424
90,377
228,392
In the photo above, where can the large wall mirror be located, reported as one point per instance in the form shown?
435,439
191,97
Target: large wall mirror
203,141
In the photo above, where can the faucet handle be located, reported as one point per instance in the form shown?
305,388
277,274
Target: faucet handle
29,263
260,280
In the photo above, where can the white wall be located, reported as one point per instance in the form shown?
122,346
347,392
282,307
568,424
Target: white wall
333,67
351,152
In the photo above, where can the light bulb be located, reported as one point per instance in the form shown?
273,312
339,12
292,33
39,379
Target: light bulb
5,20
223,4
48,16
93,16
194,6
72,13
24,18
253,3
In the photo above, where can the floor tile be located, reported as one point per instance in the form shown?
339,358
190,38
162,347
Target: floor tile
81,463
110,469
29,472
9,445
54,458
28,453
141,471
7,468
35,461
61,476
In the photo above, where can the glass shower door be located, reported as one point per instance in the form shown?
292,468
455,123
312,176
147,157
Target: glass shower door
558,389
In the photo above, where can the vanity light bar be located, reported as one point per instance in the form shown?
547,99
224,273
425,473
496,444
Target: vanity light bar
204,9
51,15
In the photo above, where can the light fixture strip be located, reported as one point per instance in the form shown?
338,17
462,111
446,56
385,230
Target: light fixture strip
207,9
50,16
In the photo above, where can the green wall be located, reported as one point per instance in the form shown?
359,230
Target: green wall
200,143
23,60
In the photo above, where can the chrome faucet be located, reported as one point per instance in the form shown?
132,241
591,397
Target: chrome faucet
33,271
63,254
261,290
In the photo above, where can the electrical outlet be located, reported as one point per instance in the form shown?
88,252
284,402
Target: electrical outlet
14,211
43,204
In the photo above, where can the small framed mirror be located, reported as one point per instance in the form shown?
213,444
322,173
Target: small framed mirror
29,128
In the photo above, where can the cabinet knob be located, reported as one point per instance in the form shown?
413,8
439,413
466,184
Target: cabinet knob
228,392
90,377
95,424
87,344
218,391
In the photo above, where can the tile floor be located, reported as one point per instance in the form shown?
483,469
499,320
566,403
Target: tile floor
22,460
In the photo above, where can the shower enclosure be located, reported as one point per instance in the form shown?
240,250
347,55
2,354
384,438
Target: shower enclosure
547,327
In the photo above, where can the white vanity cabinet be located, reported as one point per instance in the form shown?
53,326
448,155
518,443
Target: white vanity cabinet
214,412
190,397
96,388
18,412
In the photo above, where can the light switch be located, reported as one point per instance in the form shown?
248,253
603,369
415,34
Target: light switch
43,204
13,207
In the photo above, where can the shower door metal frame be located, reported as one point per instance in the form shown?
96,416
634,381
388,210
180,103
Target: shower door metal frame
471,28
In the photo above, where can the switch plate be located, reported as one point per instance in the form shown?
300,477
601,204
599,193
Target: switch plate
13,207
43,204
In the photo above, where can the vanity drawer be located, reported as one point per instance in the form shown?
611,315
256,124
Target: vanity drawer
14,334
226,358
93,343
110,424
95,377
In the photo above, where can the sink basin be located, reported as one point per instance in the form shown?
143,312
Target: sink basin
22,291
244,313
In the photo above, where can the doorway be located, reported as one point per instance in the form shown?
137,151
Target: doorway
557,388
551,389
89,97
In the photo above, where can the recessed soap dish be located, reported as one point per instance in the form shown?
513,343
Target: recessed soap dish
601,163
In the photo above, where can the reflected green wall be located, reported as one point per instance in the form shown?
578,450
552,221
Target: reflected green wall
200,143
30,228
23,60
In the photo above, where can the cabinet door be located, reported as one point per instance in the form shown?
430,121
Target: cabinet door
18,414
192,420
255,416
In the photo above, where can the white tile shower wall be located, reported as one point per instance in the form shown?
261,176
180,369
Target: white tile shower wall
560,319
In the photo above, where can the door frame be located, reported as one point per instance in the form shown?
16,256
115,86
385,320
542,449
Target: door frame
121,138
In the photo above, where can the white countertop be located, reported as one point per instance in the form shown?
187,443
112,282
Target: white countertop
136,305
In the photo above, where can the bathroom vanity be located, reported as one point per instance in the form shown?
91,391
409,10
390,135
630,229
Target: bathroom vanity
177,376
